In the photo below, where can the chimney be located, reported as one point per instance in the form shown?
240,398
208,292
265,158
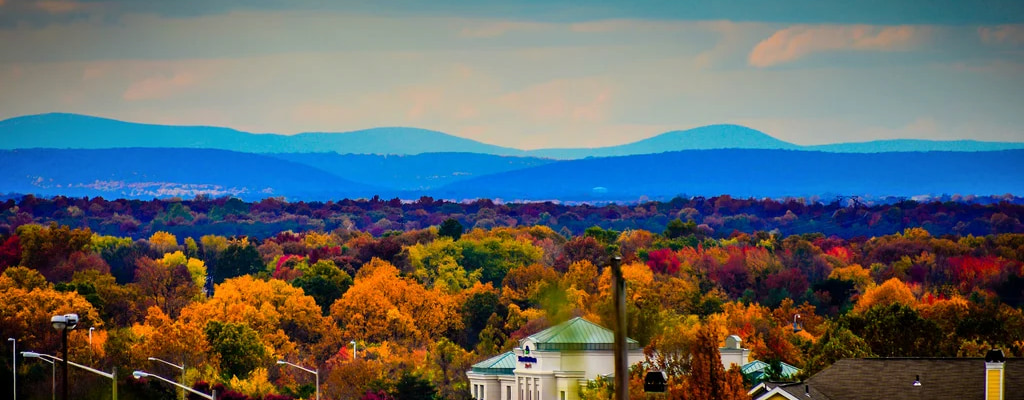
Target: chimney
994,375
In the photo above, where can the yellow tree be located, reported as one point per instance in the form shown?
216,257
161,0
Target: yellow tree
27,307
381,305
163,242
288,322
893,291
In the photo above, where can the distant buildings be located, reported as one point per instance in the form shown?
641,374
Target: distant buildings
991,378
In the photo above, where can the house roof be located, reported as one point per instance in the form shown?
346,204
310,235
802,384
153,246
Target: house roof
754,371
893,378
577,334
501,364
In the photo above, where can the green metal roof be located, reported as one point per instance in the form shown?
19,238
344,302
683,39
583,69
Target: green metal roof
755,372
502,364
578,334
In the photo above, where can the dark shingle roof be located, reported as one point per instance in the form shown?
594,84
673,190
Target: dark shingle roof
577,334
893,378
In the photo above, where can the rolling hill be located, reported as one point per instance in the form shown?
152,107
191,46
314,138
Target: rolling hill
72,131
411,172
757,173
149,173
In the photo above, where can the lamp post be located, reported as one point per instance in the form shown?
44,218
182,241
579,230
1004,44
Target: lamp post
353,343
112,375
14,366
621,353
314,372
53,374
63,324
91,328
143,374
181,367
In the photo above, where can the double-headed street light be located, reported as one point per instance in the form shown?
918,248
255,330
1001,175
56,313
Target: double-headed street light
143,374
53,374
314,372
112,375
181,367
63,324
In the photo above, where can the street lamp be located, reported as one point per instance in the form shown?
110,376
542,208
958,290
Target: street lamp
353,343
314,372
53,374
63,324
91,328
112,375
14,366
181,367
142,374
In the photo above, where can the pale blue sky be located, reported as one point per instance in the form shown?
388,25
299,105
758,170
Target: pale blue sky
527,74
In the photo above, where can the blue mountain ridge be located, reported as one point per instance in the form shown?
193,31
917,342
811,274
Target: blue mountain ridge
147,173
754,173
168,172
58,130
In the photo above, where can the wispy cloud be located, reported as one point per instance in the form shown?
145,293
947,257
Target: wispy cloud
490,29
795,42
58,6
159,86
1002,34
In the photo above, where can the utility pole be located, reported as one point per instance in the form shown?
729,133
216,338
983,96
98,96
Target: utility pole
621,361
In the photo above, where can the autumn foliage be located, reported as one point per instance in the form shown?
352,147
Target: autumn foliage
238,286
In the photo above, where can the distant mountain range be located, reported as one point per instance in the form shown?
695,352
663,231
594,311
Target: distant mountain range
149,172
72,131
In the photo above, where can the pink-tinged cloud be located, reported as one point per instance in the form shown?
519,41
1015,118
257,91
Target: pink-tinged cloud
158,87
584,100
1002,34
796,42
58,6
491,29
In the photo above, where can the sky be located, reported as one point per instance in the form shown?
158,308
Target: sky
527,74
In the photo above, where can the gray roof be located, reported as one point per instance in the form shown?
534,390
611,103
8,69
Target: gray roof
578,334
893,378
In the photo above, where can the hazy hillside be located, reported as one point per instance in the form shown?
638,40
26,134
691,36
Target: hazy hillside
411,172
702,138
757,173
84,132
71,131
148,173
903,145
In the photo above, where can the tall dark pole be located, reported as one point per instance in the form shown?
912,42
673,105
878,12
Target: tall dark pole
64,335
621,372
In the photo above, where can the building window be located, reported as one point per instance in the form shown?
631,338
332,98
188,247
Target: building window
562,397
508,392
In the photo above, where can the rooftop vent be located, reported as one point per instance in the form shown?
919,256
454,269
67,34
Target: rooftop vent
995,355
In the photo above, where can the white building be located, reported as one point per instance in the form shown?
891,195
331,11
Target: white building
554,364
551,364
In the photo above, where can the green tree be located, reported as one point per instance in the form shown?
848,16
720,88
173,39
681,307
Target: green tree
451,228
835,344
238,346
323,281
897,330
237,260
